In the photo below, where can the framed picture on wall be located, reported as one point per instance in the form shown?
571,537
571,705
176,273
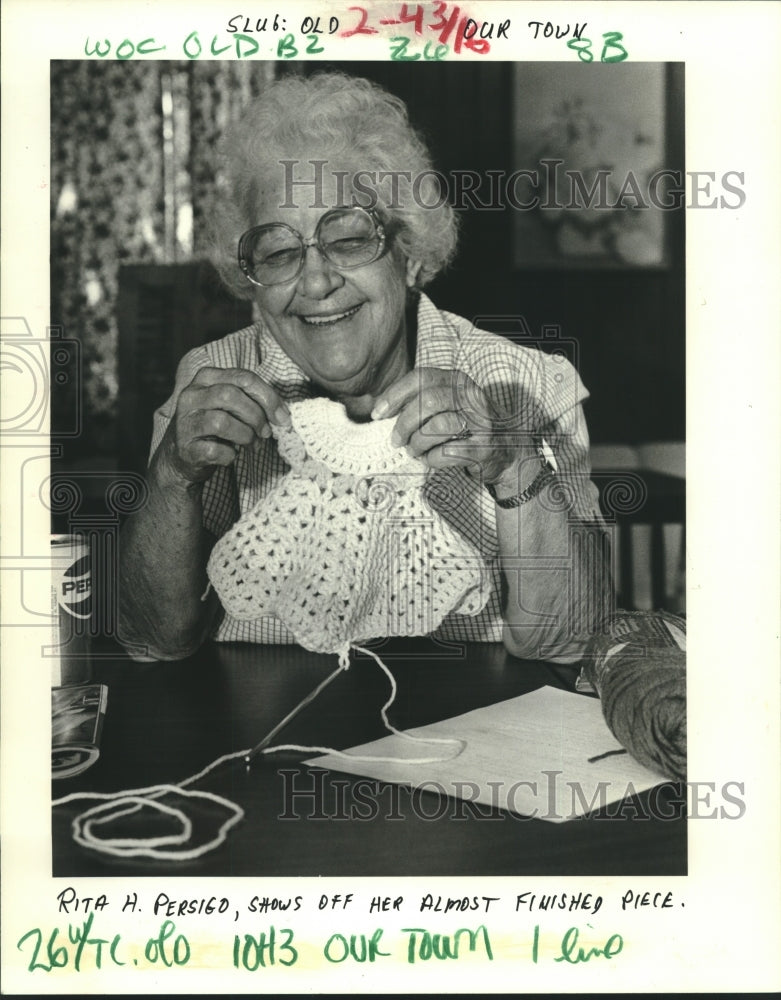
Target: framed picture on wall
593,184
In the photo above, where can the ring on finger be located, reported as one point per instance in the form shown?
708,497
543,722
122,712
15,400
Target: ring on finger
464,431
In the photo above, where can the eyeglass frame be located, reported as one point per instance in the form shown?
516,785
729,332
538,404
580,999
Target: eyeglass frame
313,241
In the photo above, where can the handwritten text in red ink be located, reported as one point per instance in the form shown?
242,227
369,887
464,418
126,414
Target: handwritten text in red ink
448,23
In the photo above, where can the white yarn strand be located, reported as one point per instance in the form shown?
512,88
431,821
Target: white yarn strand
370,758
125,803
115,805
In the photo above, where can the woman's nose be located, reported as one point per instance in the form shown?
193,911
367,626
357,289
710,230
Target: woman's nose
318,276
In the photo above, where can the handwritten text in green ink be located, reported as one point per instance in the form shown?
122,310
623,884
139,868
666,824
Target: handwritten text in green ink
78,947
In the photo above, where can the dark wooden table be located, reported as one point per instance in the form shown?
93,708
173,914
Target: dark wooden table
166,721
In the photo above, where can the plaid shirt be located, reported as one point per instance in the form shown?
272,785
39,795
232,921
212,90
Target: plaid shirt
543,391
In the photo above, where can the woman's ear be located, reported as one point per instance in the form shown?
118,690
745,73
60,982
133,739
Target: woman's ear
413,270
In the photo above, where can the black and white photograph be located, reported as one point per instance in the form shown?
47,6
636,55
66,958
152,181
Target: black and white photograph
373,426
404,488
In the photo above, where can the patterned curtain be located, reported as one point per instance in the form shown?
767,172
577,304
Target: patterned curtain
218,92
132,173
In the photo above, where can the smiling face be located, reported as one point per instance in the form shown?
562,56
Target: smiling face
345,329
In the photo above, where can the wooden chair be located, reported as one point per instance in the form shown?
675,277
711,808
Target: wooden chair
643,497
163,310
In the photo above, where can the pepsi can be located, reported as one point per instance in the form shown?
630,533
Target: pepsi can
71,584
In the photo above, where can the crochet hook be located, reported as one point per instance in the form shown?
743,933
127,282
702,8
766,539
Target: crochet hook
291,715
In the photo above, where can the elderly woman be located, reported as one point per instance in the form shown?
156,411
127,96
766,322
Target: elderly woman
328,224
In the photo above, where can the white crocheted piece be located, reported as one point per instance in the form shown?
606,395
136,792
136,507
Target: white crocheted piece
345,548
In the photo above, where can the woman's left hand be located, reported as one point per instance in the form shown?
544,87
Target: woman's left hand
445,419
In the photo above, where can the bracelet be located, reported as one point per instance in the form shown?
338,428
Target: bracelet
546,473
543,476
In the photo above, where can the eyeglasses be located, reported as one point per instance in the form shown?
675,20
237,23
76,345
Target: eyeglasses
346,237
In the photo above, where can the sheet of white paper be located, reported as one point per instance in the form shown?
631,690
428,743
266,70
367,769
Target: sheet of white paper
530,755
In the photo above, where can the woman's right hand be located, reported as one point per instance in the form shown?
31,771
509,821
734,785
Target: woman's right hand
219,412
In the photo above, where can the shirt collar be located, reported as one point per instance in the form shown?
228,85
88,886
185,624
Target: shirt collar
278,369
434,335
